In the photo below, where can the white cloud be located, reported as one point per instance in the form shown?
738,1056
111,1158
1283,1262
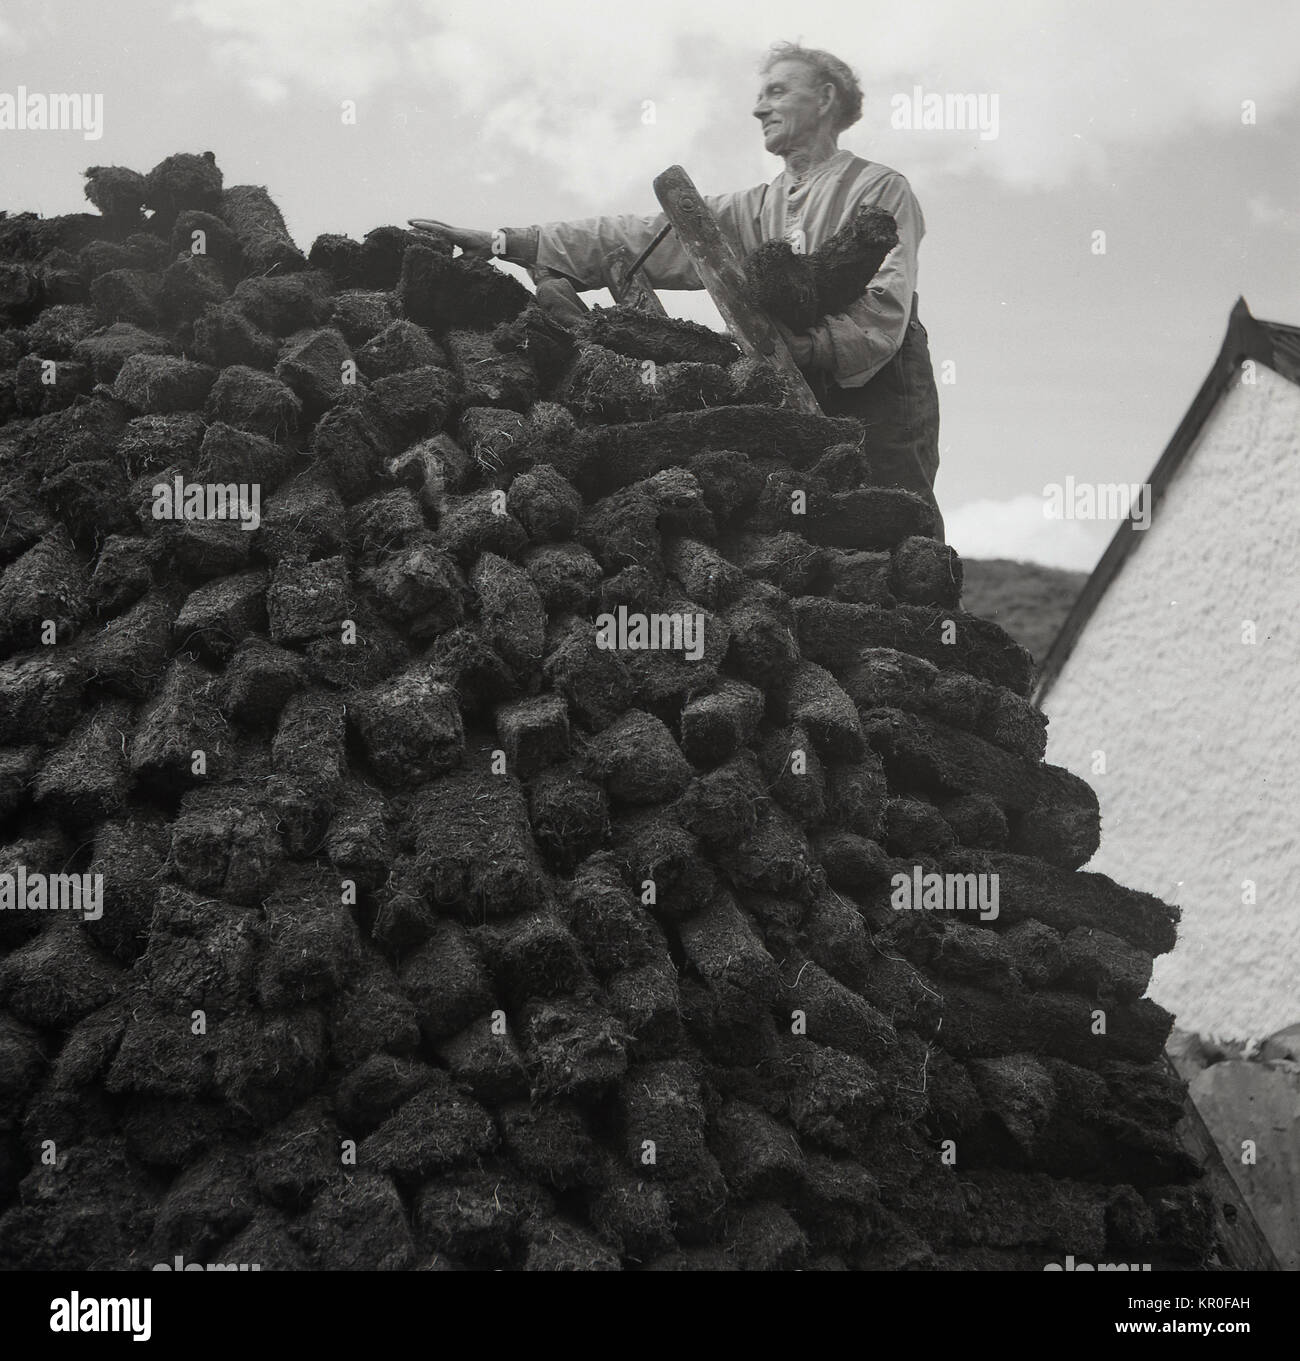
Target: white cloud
1019,530
1265,211
562,83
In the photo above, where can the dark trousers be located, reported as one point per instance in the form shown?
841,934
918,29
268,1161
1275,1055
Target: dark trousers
900,408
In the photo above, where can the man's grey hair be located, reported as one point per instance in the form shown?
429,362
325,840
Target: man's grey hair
827,69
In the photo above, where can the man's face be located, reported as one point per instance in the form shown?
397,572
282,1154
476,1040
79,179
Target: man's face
790,106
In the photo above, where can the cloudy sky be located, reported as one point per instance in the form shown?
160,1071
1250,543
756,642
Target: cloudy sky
1112,117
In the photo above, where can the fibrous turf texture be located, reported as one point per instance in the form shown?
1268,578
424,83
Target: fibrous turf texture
496,777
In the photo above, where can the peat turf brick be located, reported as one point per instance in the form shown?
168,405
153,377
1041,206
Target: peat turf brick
112,347
358,841
179,721
545,504
221,615
127,295
351,447
337,256
383,249
313,364
569,814
652,849
1101,965
607,457
474,850
607,919
933,757
224,840
488,376
913,827
243,456
533,733
573,1047
280,305
860,577
812,699
252,400
1029,889
182,182
18,766
311,941
565,576
257,682
721,806
446,982
476,1217
384,520
599,386
976,821
224,335
705,575
926,572
359,1226
646,1001
267,1062
48,582
486,1062
551,1143
190,285
306,600
397,347
33,392
714,726
92,498
128,655
511,613
297,1157
1060,1024
152,443
201,953
210,1201
375,1088
1064,825
725,951
731,483
531,955
304,519
157,384
419,588
767,1238
794,773
309,744
632,1215
247,209
131,853
637,760
870,518
446,295
439,1128
86,779
412,405
666,340
834,1015
763,649
58,977
218,243
371,1014
409,727
776,857
833,633
470,527
851,861
40,696
26,520
785,560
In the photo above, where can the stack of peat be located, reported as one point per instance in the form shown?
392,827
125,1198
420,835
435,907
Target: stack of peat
434,932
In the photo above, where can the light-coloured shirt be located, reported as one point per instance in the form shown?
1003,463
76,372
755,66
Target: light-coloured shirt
853,345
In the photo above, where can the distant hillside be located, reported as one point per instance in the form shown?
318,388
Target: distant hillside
1029,601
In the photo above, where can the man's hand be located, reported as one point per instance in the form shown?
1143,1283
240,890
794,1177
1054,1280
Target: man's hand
800,346
476,244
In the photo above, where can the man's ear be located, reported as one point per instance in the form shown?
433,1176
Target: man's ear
828,97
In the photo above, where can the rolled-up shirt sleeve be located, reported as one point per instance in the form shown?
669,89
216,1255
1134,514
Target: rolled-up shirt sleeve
584,249
854,345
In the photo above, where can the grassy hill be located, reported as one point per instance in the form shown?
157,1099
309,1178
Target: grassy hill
1027,599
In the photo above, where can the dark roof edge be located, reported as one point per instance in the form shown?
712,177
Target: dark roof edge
1271,343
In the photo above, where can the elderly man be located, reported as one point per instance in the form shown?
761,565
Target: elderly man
871,361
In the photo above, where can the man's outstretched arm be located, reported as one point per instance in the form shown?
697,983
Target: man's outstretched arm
584,250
